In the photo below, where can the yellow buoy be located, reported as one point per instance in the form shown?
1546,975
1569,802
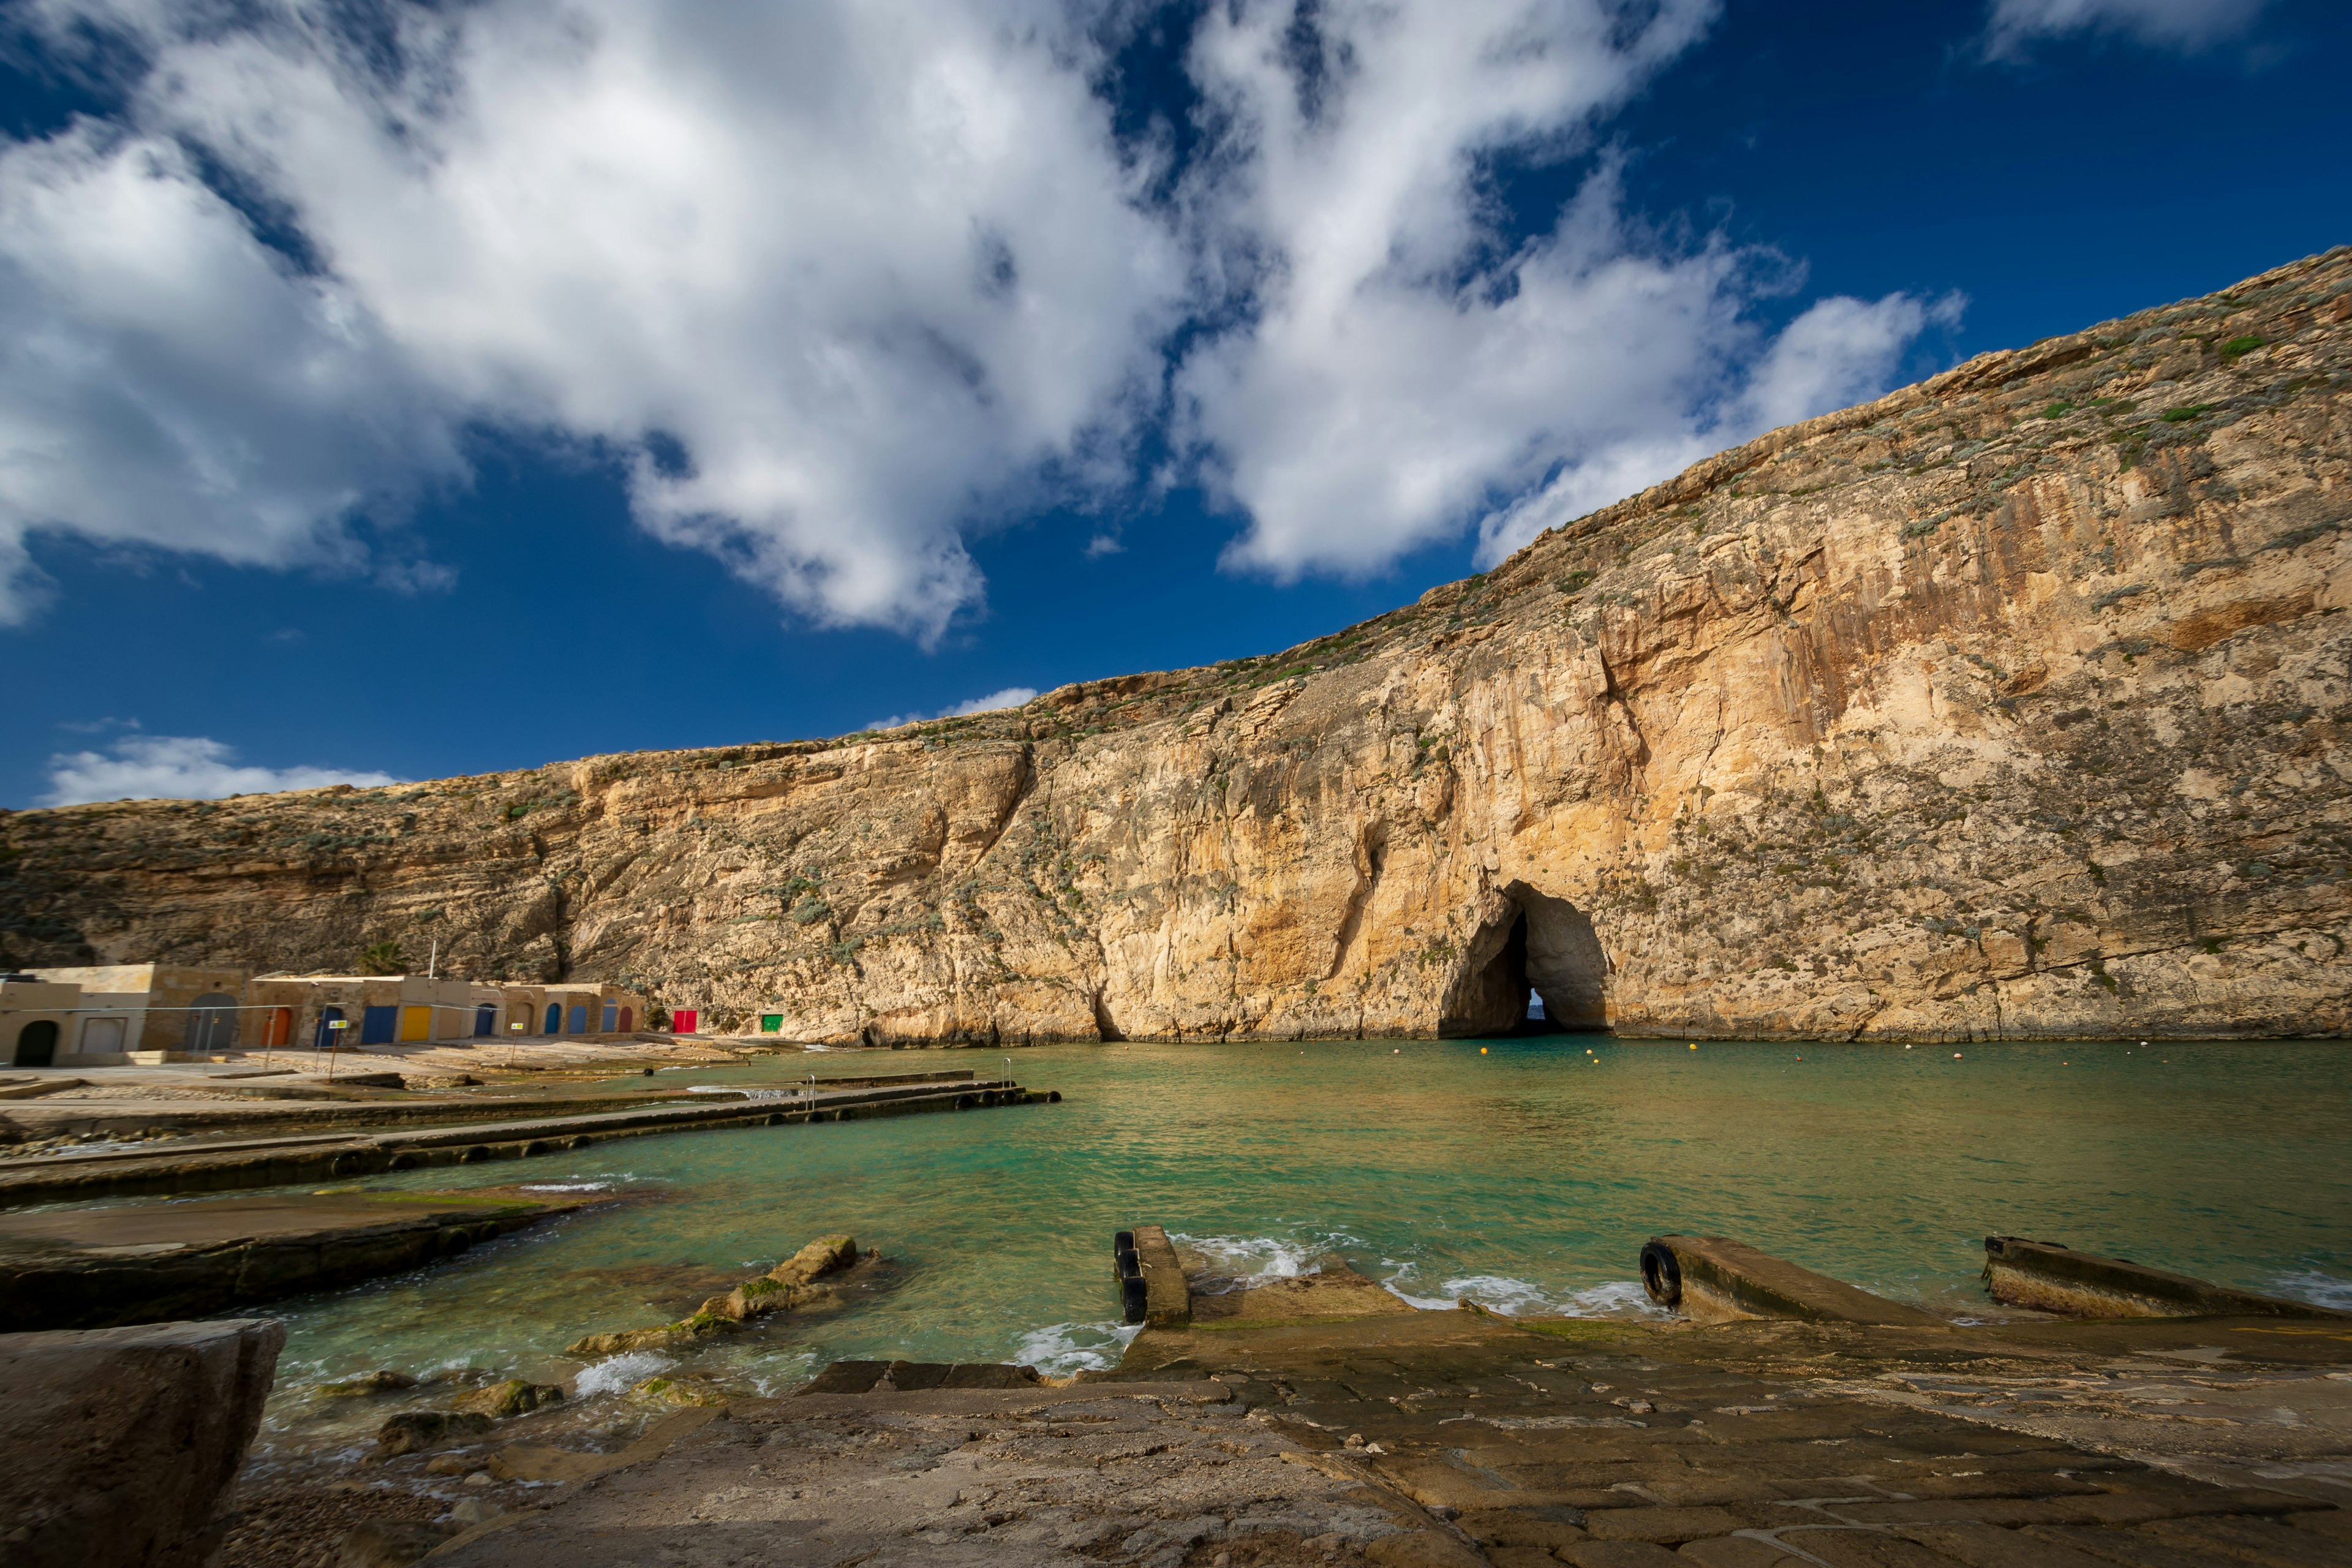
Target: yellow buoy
1482,1050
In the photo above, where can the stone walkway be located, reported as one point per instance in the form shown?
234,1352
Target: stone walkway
1457,1439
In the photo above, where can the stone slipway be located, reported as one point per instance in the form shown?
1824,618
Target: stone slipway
91,1268
1457,1439
289,1161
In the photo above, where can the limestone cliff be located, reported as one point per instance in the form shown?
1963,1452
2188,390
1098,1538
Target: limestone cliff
2013,704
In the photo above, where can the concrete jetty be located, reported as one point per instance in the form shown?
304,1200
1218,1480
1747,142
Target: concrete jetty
2052,1277
1714,1280
286,1161
90,1269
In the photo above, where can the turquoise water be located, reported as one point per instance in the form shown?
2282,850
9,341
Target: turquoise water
1525,1175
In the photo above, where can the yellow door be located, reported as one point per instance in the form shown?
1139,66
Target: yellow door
416,1022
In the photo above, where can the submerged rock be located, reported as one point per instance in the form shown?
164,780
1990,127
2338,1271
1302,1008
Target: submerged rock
511,1397
381,1381
684,1392
413,1431
788,1287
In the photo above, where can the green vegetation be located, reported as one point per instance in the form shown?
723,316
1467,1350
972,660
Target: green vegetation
2183,414
383,958
2062,406
2245,345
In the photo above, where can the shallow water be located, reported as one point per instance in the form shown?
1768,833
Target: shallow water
1525,1175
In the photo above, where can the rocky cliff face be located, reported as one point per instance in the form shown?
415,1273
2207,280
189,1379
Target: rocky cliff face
2013,704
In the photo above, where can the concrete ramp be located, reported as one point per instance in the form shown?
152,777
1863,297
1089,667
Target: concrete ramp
1714,1280
2052,1277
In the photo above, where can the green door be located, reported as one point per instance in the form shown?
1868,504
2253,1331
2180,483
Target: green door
772,1023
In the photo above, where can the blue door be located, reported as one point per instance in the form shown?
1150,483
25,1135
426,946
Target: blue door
554,1018
327,1037
378,1025
579,1018
485,1021
612,1016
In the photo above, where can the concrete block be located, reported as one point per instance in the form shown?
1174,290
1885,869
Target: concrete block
1168,1300
1713,1278
119,1444
2057,1278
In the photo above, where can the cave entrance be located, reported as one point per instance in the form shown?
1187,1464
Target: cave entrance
1535,968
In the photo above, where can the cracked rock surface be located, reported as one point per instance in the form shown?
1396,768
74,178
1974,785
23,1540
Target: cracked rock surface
1449,1439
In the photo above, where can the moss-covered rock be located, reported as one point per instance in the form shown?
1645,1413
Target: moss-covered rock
512,1398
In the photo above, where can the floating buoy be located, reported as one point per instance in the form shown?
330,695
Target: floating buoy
1482,1050
1693,1045
1956,1056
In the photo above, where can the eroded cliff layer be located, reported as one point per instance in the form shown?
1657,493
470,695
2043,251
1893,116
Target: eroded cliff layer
2013,704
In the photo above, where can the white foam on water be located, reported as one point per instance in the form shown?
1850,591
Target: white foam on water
2319,1290
1520,1299
1057,1350
617,1375
567,1186
1242,1263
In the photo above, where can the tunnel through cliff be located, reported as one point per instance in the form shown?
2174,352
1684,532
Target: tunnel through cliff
1539,949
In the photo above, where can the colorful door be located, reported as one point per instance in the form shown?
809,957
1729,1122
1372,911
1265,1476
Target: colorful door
377,1024
579,1018
485,1021
612,1017
554,1018
327,1037
416,1022
628,1019
683,1022
772,1023
278,1026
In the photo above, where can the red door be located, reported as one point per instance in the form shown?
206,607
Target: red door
683,1021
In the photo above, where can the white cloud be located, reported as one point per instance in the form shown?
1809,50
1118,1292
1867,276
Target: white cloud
840,282
869,268
2183,25
167,381
1403,372
179,767
1837,353
1011,696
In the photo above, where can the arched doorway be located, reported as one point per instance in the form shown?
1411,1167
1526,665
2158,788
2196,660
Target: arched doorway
554,1019
485,1021
36,1044
277,1028
212,1026
628,1019
325,1038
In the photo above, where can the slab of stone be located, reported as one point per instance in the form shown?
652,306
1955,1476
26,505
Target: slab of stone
1712,1279
80,1268
1456,1438
2051,1277
117,1444
1167,1300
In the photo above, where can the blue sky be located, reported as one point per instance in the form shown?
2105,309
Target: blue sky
404,390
